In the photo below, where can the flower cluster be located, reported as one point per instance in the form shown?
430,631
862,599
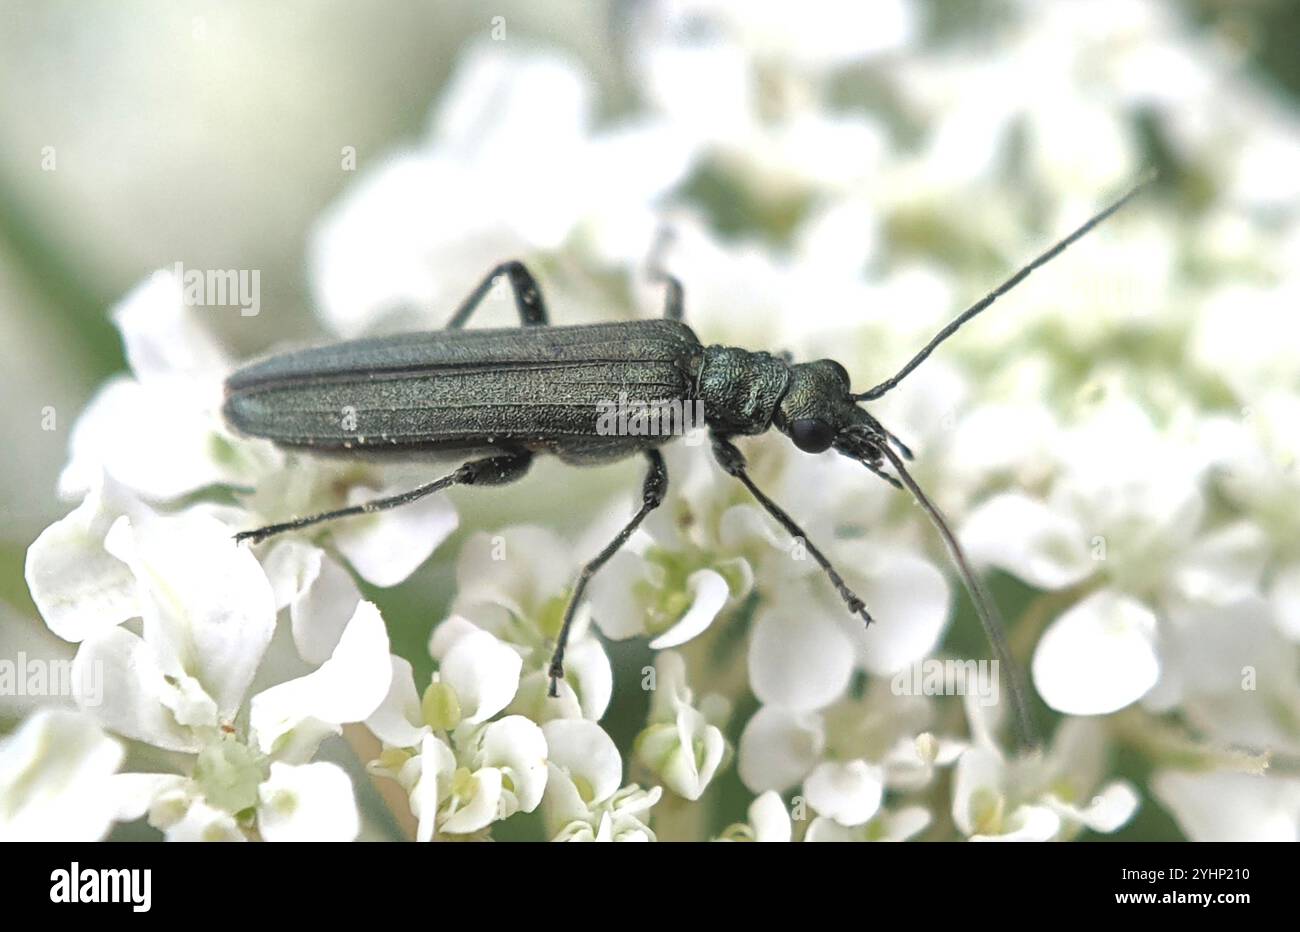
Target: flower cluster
1115,441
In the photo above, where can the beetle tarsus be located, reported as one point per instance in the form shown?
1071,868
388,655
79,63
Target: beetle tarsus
556,673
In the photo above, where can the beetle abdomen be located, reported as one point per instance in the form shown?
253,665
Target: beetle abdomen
531,387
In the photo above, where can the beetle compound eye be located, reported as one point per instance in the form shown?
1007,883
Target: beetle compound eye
812,435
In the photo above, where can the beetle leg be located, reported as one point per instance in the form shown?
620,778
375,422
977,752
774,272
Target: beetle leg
652,496
528,296
674,308
492,470
733,461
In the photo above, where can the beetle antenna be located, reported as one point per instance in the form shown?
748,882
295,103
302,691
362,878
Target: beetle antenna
985,607
1002,289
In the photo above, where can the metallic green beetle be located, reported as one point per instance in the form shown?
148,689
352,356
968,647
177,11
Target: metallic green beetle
500,397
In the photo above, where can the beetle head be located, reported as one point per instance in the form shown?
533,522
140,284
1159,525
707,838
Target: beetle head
817,406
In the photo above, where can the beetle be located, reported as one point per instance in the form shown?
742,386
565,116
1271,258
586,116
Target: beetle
497,398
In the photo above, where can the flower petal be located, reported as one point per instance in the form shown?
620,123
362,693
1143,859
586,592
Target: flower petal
292,567
387,547
798,659
56,773
482,807
517,747
910,596
1106,812
346,688
209,609
586,667
307,802
397,720
136,699
437,763
976,789
202,822
320,615
76,584
162,335
1224,565
484,672
849,792
778,748
1027,823
769,818
1220,806
1028,539
521,568
709,593
583,752
1098,657
118,434
616,606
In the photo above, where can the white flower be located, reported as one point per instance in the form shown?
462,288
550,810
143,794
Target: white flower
805,646
496,193
1039,797
1233,674
745,80
845,756
515,584
683,746
1098,656
208,612
673,580
897,825
1133,523
462,771
177,368
261,780
1221,806
158,436
1256,457
850,793
768,821
56,774
583,798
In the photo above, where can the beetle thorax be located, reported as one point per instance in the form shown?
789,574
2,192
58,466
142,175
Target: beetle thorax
741,390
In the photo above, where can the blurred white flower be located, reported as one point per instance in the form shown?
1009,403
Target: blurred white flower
1233,675
177,369
847,755
888,825
1133,524
768,821
1221,806
1258,468
746,80
56,779
1040,796
514,165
